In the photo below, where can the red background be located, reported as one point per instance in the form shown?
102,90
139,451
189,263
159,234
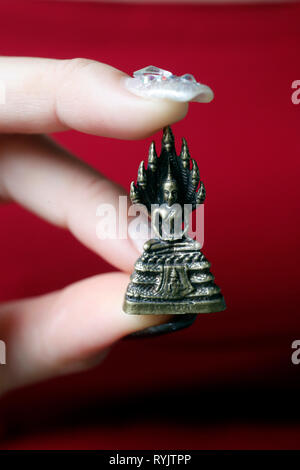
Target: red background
228,381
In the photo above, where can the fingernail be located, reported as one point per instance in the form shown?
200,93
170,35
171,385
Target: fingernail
155,83
139,231
178,322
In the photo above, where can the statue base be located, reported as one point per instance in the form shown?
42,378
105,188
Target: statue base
172,278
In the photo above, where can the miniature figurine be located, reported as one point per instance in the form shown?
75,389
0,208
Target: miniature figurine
172,276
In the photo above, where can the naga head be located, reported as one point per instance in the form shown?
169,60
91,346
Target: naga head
168,178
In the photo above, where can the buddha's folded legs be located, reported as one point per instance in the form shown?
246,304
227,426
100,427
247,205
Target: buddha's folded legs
184,244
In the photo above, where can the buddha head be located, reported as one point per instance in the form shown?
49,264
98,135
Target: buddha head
170,189
170,192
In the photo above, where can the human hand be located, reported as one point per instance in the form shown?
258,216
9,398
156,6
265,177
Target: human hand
71,329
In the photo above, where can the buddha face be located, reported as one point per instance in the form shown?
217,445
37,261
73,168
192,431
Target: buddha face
170,192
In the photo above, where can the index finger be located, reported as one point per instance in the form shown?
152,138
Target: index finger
48,95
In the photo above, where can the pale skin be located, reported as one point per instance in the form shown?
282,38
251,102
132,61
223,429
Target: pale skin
40,98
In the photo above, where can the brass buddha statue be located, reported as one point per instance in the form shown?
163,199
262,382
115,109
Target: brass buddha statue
171,276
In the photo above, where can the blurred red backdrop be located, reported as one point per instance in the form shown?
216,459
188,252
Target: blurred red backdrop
228,381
